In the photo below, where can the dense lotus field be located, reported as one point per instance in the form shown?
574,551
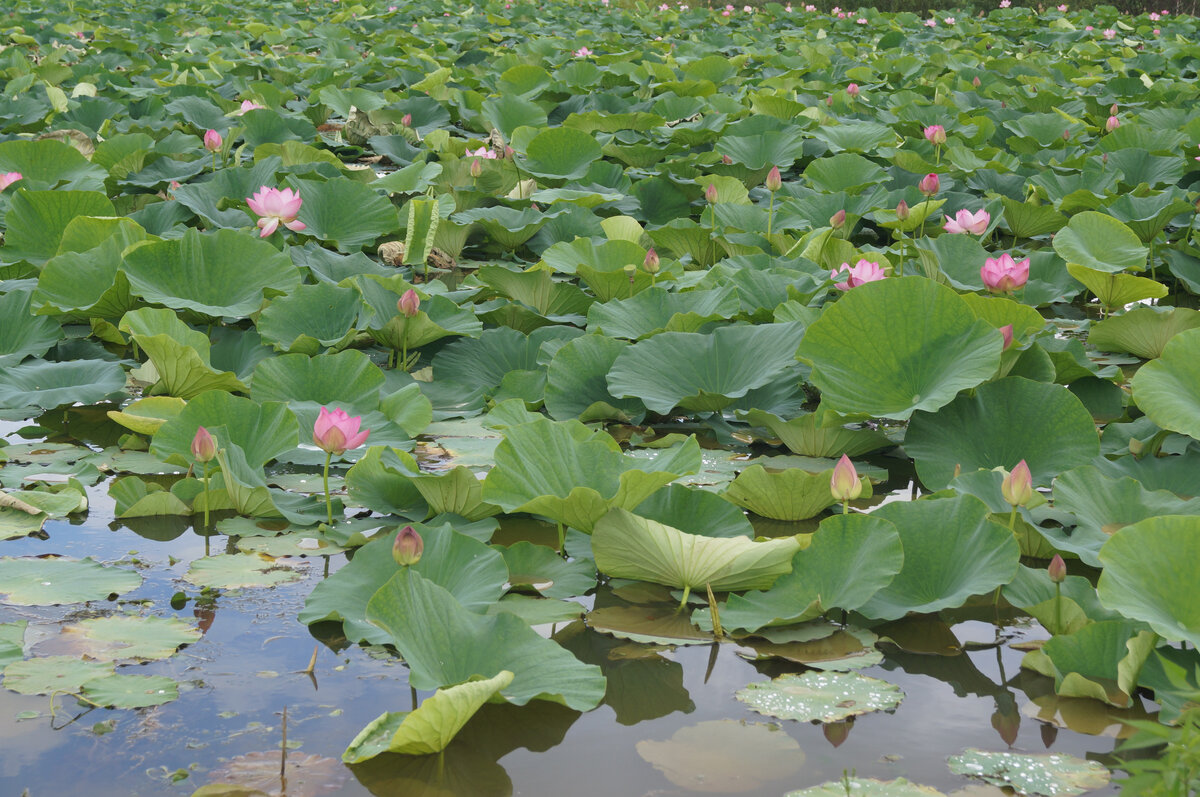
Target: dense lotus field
518,340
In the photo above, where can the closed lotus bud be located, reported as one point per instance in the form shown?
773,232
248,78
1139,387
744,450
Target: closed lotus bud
726,160
1112,124
1007,332
976,81
406,120
838,220
409,303
213,141
510,153
1112,110
852,89
1066,134
651,261
929,185
204,448
1017,487
844,483
774,180
1057,569
902,211
710,193
476,167
829,100
408,547
935,134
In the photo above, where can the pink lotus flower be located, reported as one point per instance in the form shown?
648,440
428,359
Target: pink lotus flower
930,184
1003,274
1006,332
949,20
844,483
8,178
861,272
1005,3
249,105
861,21
1155,16
810,8
931,23
275,207
204,448
935,134
409,303
407,547
968,222
1109,33
1017,487
774,180
1088,27
482,152
725,13
336,432
1112,124
747,9
852,89
788,8
710,193
1063,8
582,52
213,141
1057,569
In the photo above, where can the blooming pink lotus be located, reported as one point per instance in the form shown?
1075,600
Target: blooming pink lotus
931,23
275,207
1005,3
336,432
861,272
8,178
583,52
1109,33
249,105
968,222
482,152
1003,274
935,134
949,20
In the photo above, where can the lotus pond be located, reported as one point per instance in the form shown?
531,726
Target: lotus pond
595,398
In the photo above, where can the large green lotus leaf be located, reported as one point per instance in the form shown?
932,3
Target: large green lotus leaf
457,491
1101,243
261,431
16,523
1147,575
1028,220
561,152
431,727
48,582
892,347
1143,331
762,151
791,494
537,289
487,359
952,550
24,334
48,164
1168,389
444,643
820,696
130,691
473,573
611,255
807,436
628,546
1001,424
509,227
508,112
1103,505
47,675
1116,290
850,558
1048,775
847,172
577,382
725,756
208,273
239,571
310,318
1000,311
345,212
704,373
541,569
89,281
381,480
348,380
657,310
126,637
695,511
856,136
52,384
36,221
1101,660
866,787
438,317
180,355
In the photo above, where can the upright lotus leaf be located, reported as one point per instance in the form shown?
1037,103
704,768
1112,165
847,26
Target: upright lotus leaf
892,347
1028,220
1000,311
1101,660
536,290
577,383
561,152
36,220
430,727
573,475
1146,575
51,384
808,436
507,226
207,272
695,511
445,644
262,431
847,172
704,373
486,360
1143,331
422,226
657,310
999,425
438,316
1034,592
380,480
628,546
789,494
457,491
1168,389
48,164
469,570
345,212
762,151
85,277
952,550
1101,243
1052,775
1115,290
180,355
310,318
540,569
347,379
31,581
849,559
24,334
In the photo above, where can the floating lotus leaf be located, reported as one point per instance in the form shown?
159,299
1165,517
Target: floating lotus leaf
126,637
540,568
130,691
827,648
47,675
467,643
252,774
147,415
296,543
866,787
892,347
23,333
820,696
12,642
1168,389
808,436
48,582
1049,775
791,494
725,756
648,625
238,571
431,726
52,384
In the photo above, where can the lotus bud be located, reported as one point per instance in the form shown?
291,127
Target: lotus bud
726,160
774,180
651,261
204,448
213,141
935,134
409,303
1066,134
510,153
1057,569
476,167
408,547
976,82
1112,124
710,193
844,483
1007,332
902,211
829,101
1017,487
929,185
852,89
1112,110
406,120
838,220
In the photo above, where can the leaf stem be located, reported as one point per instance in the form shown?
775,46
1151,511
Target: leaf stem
325,479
